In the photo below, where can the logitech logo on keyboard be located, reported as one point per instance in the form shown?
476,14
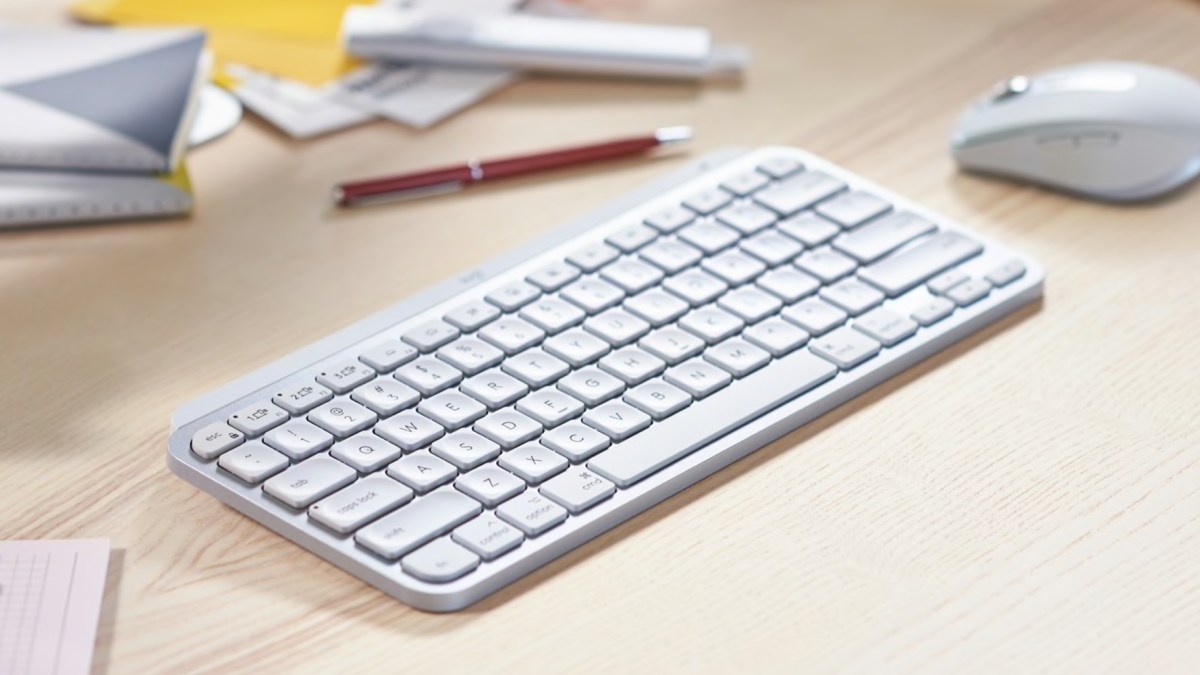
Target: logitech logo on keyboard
472,277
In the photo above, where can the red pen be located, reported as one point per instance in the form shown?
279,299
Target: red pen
451,178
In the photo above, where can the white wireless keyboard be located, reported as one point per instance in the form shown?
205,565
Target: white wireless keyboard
463,438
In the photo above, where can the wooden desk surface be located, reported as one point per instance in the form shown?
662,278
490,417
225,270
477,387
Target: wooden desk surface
1026,501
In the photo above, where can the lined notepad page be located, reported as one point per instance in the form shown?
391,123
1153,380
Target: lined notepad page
50,594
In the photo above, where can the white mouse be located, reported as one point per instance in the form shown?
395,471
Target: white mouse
1112,130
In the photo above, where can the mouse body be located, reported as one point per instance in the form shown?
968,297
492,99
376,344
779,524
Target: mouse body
1111,130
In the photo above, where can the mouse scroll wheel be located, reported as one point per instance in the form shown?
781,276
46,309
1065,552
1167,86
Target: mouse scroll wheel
1010,88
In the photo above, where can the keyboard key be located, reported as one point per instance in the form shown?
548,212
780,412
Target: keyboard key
552,315
411,526
632,274
343,417
472,316
439,562
708,201
465,449
933,310
593,256
772,247
1006,273
617,420
632,365
509,428
452,409
943,282
852,295
365,452
852,209
534,462
845,347
386,396
799,192
670,219
298,439
780,167
698,378
428,375
575,441
536,368
733,267
410,430
751,304
258,418
746,218
388,355
658,399
299,399
495,389
815,316
514,296
672,345
578,490
969,292
696,287
253,462
216,438
512,335
788,283
745,183
712,324
826,264
342,377
591,385
672,255
907,269
488,536
656,306
593,295
470,355
430,336
886,326
776,336
576,347
553,276
352,507
421,471
617,327
631,238
532,512
809,229
490,484
309,481
878,238
709,237
737,356
550,407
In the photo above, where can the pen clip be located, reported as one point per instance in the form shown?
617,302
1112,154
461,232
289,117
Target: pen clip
340,197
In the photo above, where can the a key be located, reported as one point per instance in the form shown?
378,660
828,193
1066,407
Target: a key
905,270
657,307
943,282
411,526
386,396
216,438
258,418
772,247
671,255
672,345
878,238
776,336
632,274
452,409
470,355
852,209
809,229
751,304
490,485
439,561
552,315
709,237
733,267
696,287
387,356
514,296
575,441
932,310
826,264
253,462
815,316
536,368
845,347
578,489
737,356
591,385
495,388
342,417
365,452
617,327
698,377
422,471
670,219
617,420
745,183
780,167
309,481
532,512
708,201
632,365
472,316
512,335
593,256
553,276
969,292
630,239
534,462
799,192
852,295
465,449
1006,273
410,430
352,507
711,418
299,399
488,536
746,218
550,407
428,375
712,324
593,295
576,347
344,376
886,326
429,336
788,283
298,439
658,399
509,428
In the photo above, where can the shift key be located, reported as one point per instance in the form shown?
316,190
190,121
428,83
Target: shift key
430,516
899,273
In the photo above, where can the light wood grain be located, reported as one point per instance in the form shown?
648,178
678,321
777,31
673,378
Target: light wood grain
1027,501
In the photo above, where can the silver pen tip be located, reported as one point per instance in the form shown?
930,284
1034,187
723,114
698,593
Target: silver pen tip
667,135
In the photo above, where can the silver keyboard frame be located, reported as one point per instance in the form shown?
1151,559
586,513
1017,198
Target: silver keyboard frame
577,530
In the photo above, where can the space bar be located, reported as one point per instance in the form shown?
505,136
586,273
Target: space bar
708,419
